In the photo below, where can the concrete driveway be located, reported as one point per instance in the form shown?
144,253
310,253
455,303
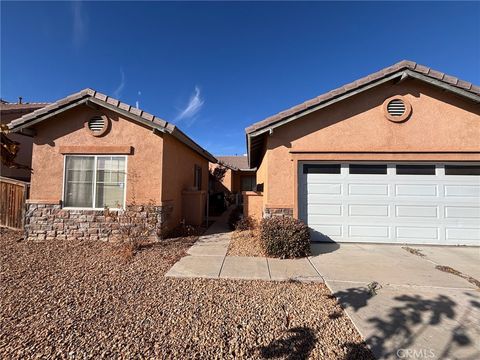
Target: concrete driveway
419,312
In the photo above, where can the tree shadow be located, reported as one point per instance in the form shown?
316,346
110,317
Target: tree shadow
357,351
294,344
355,298
408,321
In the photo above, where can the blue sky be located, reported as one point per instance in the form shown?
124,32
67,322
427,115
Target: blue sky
214,68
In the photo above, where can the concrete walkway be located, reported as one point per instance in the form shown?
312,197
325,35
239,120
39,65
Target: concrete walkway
207,259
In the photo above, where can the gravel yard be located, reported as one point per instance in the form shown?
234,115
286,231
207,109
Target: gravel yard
82,300
245,243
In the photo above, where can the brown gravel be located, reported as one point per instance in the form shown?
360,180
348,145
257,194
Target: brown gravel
245,243
79,300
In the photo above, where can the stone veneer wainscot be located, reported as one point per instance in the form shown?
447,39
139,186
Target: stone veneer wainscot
51,221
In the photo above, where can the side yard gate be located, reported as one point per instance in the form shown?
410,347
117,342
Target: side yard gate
13,195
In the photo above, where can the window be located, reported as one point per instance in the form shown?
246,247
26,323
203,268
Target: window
321,169
95,181
197,180
248,183
462,169
415,169
370,169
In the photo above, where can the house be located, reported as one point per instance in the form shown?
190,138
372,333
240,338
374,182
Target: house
393,157
8,112
238,176
91,152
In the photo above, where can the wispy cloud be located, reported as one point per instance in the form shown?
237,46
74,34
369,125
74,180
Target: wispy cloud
118,91
79,24
190,111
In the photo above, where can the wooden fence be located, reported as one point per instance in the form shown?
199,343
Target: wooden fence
13,194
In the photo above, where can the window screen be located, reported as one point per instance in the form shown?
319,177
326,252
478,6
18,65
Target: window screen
415,169
105,174
197,180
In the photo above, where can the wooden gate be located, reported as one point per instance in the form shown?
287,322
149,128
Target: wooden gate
13,194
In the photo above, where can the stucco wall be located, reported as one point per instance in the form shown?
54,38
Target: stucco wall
144,165
441,127
178,173
253,204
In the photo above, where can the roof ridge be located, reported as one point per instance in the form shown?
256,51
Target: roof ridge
363,81
114,104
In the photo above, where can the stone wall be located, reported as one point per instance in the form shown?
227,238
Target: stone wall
278,212
49,222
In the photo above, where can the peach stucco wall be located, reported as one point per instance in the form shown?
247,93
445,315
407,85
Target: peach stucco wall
144,166
441,127
159,167
178,174
253,204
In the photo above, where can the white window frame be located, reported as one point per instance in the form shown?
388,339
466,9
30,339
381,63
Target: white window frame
94,181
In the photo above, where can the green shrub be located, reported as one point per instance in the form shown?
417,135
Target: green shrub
246,223
234,217
284,237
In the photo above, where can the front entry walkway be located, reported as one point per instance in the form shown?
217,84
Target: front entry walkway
208,259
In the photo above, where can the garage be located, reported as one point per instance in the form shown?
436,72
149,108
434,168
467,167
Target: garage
405,203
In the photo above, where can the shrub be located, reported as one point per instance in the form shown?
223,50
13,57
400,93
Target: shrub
246,223
284,237
234,217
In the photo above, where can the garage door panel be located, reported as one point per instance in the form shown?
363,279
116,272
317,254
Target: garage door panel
324,189
435,208
330,229
368,210
325,209
416,211
462,234
417,232
462,212
368,231
368,189
462,190
415,190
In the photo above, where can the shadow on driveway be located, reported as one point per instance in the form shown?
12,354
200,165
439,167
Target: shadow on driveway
408,319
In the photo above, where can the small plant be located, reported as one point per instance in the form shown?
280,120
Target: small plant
413,251
246,223
284,237
373,287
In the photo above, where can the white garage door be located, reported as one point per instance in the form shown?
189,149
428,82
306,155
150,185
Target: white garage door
391,203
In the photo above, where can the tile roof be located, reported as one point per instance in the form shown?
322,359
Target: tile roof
398,67
16,107
234,162
95,97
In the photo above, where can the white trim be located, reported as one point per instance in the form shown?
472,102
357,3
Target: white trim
95,157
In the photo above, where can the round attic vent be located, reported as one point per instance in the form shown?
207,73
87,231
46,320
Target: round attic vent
97,125
397,109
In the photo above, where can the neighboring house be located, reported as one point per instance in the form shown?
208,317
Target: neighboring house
238,176
8,112
91,151
391,158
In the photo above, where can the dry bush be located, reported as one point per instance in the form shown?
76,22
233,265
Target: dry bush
284,237
246,223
